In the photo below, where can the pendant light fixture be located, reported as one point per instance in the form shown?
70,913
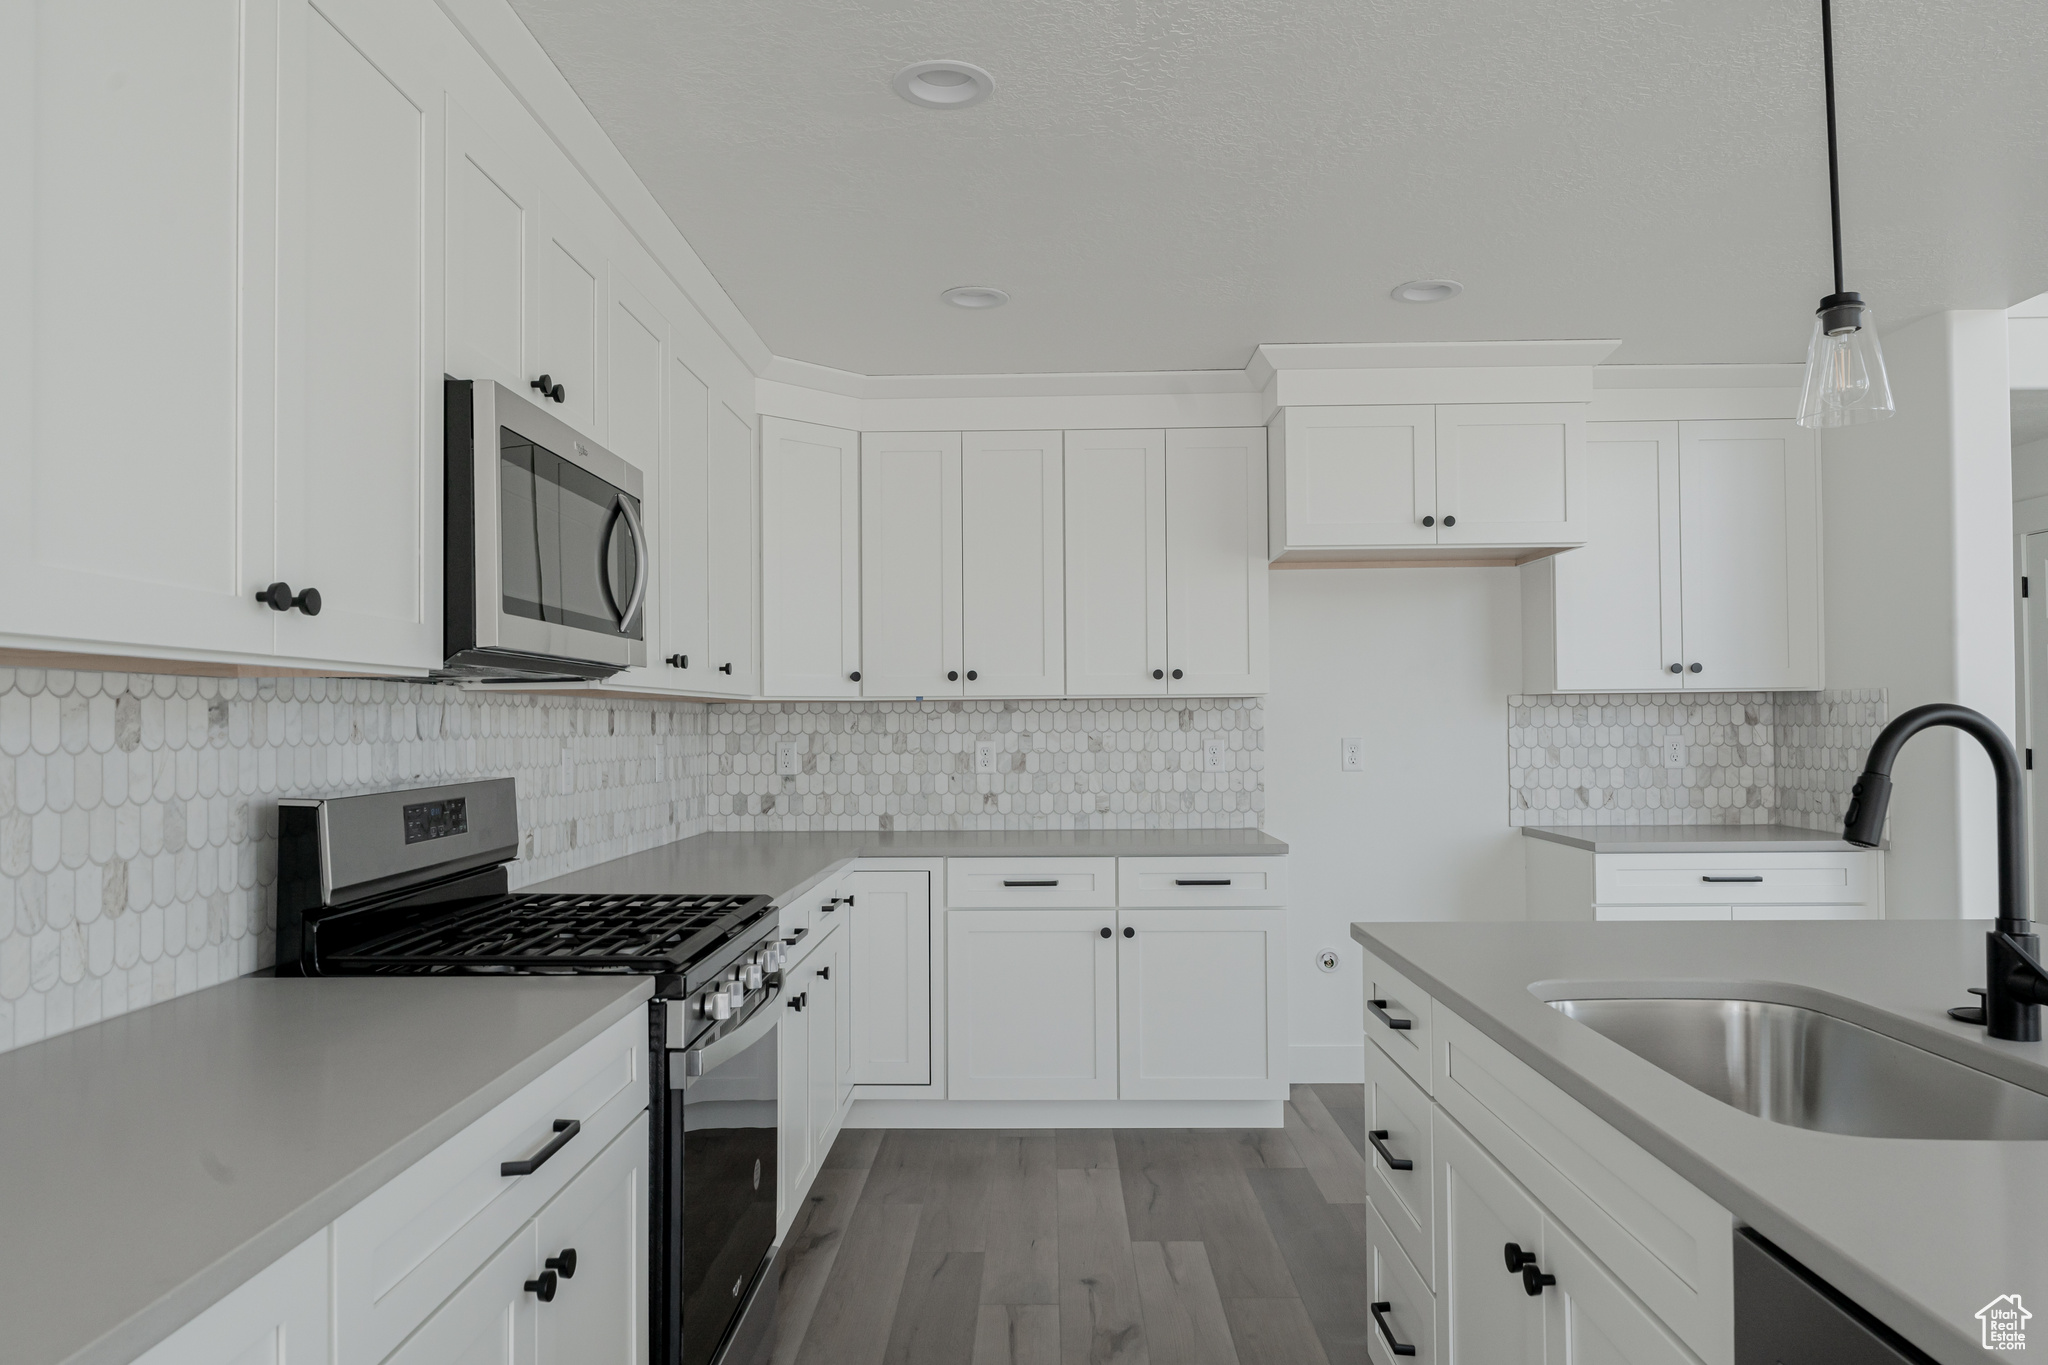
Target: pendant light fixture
1845,381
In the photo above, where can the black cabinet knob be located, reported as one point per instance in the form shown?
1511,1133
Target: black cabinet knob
308,601
545,384
564,1264
1176,673
543,1288
1534,1280
972,675
279,597
559,394
1450,521
725,668
678,661
1129,932
952,675
1516,1258
1695,668
1158,673
1429,521
1678,668
1105,931
853,676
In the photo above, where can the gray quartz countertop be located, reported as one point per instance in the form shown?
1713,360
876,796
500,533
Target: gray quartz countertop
1922,1233
152,1163
785,866
1693,838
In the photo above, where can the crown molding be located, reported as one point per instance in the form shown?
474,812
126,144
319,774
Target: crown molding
1698,376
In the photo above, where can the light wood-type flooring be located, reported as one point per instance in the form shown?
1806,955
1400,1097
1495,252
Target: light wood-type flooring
1083,1247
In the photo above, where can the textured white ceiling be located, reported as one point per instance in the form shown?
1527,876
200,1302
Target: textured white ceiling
1163,184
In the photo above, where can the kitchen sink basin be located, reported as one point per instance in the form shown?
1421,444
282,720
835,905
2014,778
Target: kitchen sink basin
1807,1069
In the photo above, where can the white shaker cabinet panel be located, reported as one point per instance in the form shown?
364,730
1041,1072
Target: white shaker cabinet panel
810,560
491,1320
1012,564
910,564
636,361
493,235
1749,512
598,1315
1032,1005
889,976
138,320
1589,1319
684,558
730,507
568,334
1345,477
817,982
1511,474
794,1157
360,305
1216,562
279,1317
1199,1004
1116,563
1485,1315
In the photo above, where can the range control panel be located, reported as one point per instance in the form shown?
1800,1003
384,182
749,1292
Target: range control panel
436,819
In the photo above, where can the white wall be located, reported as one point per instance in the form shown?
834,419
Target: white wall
1420,663
1919,592
2030,471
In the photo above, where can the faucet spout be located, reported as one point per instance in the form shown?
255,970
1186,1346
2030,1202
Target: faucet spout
2016,984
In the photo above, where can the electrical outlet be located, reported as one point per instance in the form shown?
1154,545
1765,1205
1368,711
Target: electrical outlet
1354,755
1215,756
985,756
1674,753
785,758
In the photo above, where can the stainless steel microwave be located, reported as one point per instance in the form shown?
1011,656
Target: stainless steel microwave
547,556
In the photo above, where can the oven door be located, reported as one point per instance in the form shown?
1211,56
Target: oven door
728,1088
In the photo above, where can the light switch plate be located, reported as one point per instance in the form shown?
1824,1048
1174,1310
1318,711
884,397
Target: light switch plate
1354,755
1674,753
985,756
1215,756
785,758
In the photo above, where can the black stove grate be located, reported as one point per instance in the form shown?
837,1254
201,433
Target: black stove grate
563,933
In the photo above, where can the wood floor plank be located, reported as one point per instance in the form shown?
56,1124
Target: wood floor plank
1017,1334
1157,1170
812,1249
902,1165
1187,1185
1346,1104
934,1322
1326,1255
858,1307
1184,1322
1242,1250
1273,1332
1085,1149
1022,1236
1336,1165
1257,1147
937,1313
854,1150
1101,1317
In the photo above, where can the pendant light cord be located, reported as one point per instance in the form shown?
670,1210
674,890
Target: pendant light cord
1827,60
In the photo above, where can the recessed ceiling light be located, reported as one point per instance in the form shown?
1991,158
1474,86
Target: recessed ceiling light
975,296
944,85
1428,291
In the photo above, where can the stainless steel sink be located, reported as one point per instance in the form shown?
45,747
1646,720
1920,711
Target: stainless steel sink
1800,1067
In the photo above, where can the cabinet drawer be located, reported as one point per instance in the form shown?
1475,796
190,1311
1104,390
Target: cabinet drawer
807,912
1731,879
1201,881
1401,1305
1027,883
402,1252
1397,1119
1397,1019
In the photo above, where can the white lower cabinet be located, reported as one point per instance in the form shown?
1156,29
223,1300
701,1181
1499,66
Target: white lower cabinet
490,1320
1591,1320
277,1318
598,1315
819,984
1194,990
1403,1310
889,975
1032,1011
808,1049
1486,1314
1566,883
793,1153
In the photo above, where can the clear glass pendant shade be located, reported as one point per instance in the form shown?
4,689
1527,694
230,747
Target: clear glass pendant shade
1845,381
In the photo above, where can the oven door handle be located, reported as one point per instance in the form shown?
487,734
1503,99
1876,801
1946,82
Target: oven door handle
699,1060
632,607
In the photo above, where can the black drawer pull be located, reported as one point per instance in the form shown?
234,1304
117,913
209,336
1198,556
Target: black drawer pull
1378,1138
1050,883
1201,881
1732,879
1379,1317
565,1129
1379,1009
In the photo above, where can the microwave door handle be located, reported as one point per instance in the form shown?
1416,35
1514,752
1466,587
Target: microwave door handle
645,566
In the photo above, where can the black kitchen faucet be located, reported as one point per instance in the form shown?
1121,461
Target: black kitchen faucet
2015,983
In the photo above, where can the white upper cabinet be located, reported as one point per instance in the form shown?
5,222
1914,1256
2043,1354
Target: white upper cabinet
493,231
730,507
1116,563
810,560
1702,570
1484,482
568,328
684,559
1216,562
1012,565
910,564
636,368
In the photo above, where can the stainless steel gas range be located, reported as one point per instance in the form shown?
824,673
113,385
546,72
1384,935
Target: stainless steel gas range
414,883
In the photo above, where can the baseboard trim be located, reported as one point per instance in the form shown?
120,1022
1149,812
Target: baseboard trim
1065,1114
1326,1063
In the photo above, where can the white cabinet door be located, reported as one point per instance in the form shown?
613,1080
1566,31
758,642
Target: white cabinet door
1403,1310
360,309
636,361
793,1152
730,507
1511,473
820,978
684,560
568,329
1031,1005
279,1317
1589,1319
1216,562
492,240
910,564
889,975
1617,596
137,324
810,560
491,1320
1345,477
1199,1004
1116,563
599,1313
1749,511
1485,1315
1012,564
842,1012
